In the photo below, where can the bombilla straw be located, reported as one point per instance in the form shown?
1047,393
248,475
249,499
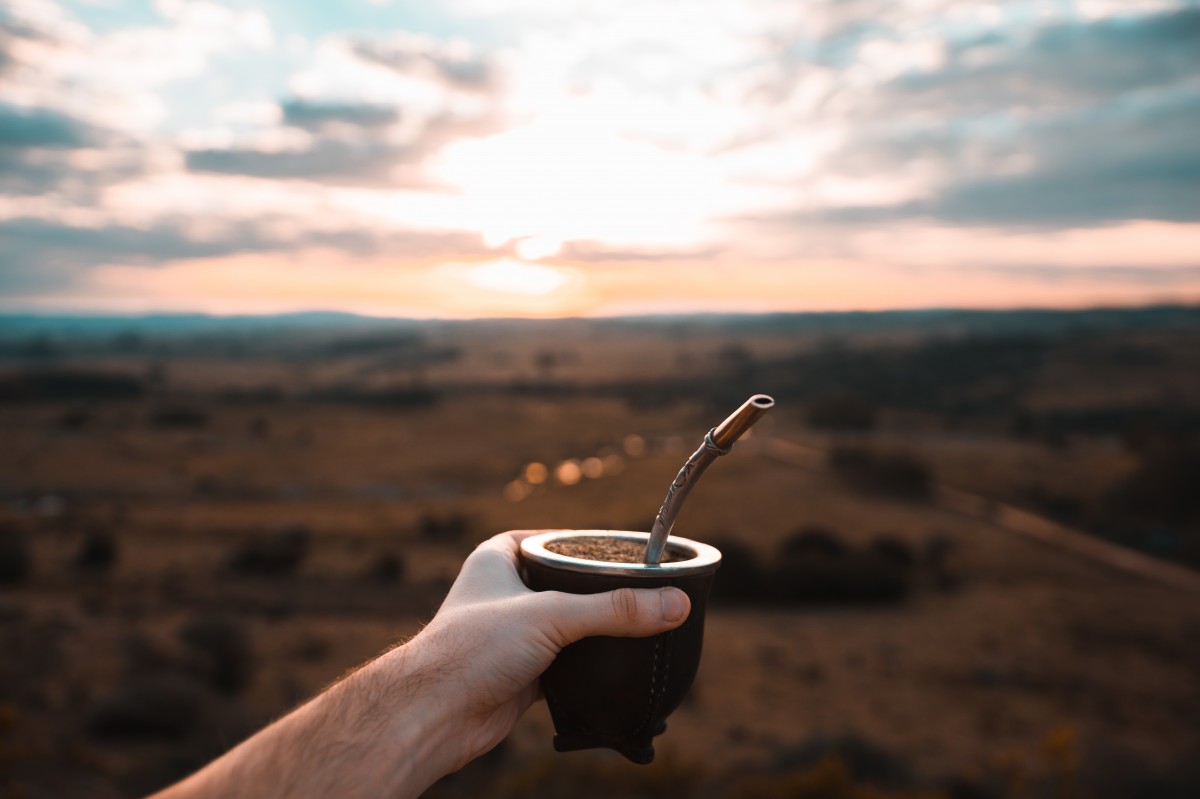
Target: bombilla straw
719,441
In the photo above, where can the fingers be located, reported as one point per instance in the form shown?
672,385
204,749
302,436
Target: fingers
491,570
511,541
624,613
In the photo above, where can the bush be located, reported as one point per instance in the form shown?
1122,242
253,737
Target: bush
276,555
844,412
899,475
451,527
220,652
894,550
813,540
1163,488
1157,507
49,385
741,577
162,706
387,568
179,418
97,553
815,566
15,560
854,578
76,419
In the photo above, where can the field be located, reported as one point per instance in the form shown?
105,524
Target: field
203,522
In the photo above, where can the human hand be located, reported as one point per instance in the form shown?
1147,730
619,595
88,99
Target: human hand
493,637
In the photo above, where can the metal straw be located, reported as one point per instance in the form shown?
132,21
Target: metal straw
718,441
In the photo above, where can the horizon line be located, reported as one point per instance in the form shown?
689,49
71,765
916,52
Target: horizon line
81,315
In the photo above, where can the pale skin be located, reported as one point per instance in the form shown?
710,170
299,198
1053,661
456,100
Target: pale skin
428,707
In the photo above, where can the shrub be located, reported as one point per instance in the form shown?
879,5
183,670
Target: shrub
894,550
387,568
39,385
278,554
844,412
741,578
1157,507
899,475
220,652
815,566
813,540
15,560
177,417
451,527
1163,488
76,419
97,553
161,706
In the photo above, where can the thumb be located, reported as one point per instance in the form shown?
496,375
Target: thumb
624,613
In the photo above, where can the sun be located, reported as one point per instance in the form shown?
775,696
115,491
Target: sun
510,276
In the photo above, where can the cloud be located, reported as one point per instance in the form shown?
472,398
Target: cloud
345,153
1072,124
44,150
594,252
335,162
1060,64
374,113
1097,166
15,32
453,63
1129,274
317,115
40,254
42,127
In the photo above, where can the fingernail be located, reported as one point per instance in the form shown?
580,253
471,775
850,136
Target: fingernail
674,604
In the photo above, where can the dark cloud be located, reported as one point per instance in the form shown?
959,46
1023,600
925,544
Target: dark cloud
42,127
1104,164
364,158
349,142
36,147
1066,63
460,70
37,254
330,161
314,115
1072,125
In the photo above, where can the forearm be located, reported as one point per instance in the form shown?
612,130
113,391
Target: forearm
381,731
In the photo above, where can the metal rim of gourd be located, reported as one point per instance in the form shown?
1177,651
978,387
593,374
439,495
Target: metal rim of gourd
704,557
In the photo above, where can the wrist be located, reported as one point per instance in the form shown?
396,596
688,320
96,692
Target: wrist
413,728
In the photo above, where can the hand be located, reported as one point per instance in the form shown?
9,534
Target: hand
493,637
424,709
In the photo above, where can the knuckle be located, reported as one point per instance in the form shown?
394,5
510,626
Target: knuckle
624,603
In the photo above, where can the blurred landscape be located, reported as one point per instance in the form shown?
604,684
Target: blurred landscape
960,555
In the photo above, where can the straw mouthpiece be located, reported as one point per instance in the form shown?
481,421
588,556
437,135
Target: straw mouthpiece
741,420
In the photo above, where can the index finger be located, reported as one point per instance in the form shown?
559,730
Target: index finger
493,567
510,542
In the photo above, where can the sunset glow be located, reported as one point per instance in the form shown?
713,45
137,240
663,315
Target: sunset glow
515,158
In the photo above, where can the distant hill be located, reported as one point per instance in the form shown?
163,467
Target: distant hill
937,320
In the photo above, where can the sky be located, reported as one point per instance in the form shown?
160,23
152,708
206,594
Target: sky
471,158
